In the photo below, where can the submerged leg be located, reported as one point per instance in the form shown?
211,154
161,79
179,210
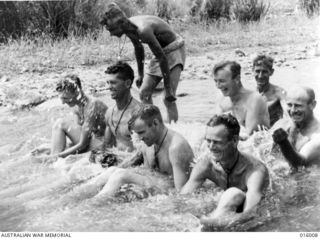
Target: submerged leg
230,201
121,177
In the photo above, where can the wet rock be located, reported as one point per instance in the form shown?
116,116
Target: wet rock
4,79
239,53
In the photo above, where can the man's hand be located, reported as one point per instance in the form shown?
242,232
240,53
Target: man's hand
139,80
169,95
279,135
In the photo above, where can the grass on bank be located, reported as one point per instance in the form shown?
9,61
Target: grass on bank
45,55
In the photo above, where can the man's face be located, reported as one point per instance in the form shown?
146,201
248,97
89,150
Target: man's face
218,142
298,106
224,82
145,132
117,86
68,98
262,75
113,25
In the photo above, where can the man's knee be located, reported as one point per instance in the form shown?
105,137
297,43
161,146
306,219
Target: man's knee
232,198
145,95
60,124
119,175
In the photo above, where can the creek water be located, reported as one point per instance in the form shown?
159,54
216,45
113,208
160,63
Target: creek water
43,196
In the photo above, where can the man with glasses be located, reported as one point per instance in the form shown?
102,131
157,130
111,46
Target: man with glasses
243,177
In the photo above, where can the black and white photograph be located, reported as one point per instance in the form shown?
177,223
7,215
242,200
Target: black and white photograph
159,116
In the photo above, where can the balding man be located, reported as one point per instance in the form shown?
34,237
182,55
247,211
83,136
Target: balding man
247,106
299,139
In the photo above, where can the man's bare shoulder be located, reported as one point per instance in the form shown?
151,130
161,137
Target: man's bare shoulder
278,91
179,144
257,165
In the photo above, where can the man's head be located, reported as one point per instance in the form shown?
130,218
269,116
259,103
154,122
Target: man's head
300,104
222,136
70,90
147,123
227,77
262,70
114,19
119,79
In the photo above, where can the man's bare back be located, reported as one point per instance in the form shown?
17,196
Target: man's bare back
151,26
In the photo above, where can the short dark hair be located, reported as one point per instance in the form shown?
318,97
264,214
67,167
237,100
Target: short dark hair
123,69
147,113
229,121
70,83
235,68
263,60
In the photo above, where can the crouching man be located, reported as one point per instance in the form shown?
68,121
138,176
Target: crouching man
168,156
243,177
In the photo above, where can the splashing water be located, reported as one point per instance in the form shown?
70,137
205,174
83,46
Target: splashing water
60,196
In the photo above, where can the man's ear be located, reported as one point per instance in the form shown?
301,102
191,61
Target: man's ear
313,104
271,72
155,122
235,140
128,83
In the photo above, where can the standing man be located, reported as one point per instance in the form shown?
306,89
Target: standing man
167,47
299,139
243,177
86,131
247,106
273,94
119,79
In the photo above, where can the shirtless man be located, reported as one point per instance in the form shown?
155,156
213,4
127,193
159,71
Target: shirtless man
87,130
119,79
243,177
167,153
247,106
167,47
299,139
273,94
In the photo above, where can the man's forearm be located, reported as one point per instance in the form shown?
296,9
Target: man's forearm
139,53
294,158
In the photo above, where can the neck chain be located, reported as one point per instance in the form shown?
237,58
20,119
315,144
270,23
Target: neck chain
229,171
120,48
119,121
160,145
157,151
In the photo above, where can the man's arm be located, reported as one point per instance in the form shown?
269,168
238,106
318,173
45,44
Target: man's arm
139,53
81,145
257,115
180,157
309,153
109,138
256,183
197,177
